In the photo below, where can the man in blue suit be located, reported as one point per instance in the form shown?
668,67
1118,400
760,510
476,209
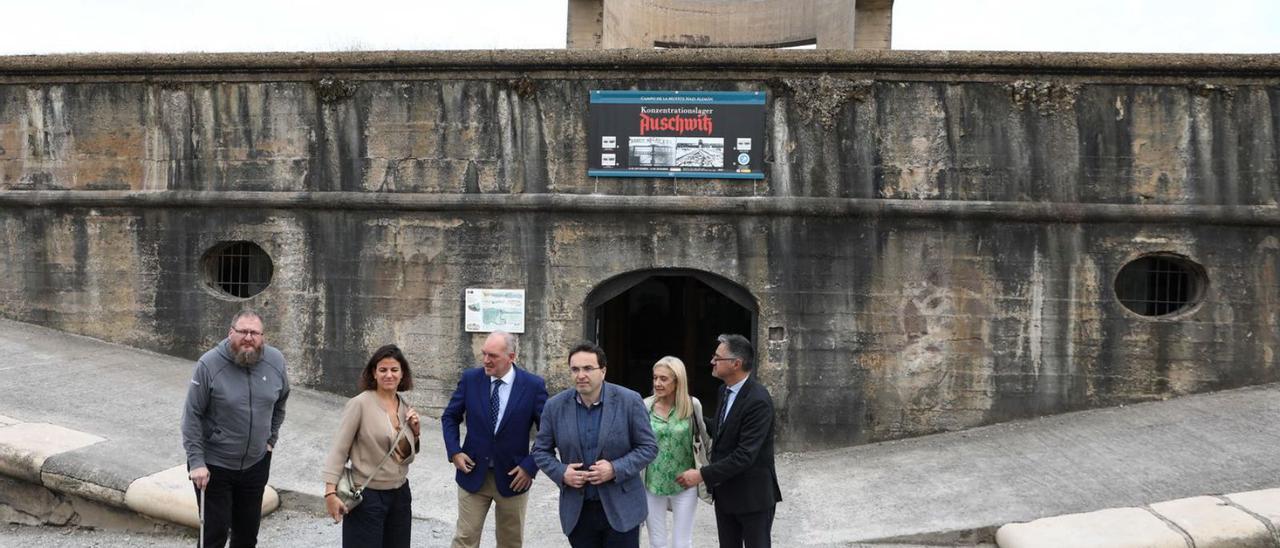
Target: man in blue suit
602,434
500,404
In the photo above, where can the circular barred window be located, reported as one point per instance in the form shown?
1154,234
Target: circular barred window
1160,285
238,269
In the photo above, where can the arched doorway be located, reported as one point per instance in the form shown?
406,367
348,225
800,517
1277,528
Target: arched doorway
642,316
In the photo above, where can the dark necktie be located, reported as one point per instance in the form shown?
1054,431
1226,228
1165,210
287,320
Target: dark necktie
724,401
495,404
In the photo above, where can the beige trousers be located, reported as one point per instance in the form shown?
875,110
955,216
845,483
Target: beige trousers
474,507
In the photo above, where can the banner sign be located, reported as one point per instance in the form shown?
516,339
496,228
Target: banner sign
706,134
494,309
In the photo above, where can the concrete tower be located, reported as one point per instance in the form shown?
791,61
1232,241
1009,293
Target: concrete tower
830,24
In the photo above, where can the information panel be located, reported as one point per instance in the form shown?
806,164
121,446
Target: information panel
706,134
494,309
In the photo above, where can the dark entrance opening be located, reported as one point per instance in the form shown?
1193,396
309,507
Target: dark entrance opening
640,317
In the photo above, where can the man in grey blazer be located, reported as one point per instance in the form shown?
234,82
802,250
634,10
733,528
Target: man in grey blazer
601,432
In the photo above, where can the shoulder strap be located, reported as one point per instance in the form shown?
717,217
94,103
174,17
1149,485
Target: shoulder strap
696,416
394,443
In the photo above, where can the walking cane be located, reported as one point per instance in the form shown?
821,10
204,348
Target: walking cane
201,544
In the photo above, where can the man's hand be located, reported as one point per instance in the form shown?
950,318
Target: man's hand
462,462
270,448
601,471
689,478
574,476
522,480
200,477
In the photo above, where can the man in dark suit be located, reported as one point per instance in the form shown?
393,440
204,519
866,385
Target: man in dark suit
601,432
500,404
741,473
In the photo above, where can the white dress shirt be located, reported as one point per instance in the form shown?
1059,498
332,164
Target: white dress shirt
733,395
504,393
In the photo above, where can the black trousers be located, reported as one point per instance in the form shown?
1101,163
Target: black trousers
751,530
593,530
233,502
383,520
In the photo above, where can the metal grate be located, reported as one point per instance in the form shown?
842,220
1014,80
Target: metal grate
240,269
1157,285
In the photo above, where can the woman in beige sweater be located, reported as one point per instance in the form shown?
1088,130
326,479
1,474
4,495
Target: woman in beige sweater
370,422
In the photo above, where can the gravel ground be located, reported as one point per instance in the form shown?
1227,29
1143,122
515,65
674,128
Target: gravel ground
282,528
48,537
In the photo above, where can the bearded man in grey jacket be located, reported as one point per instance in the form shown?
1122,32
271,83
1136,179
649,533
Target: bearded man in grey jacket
230,423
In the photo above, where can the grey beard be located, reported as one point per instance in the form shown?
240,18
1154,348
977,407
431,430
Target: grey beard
246,358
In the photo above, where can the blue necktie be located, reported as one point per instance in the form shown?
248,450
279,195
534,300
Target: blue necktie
724,404
495,404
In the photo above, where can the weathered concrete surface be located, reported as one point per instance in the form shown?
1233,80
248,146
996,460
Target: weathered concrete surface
1215,522
30,504
69,477
829,24
1111,528
1264,504
28,446
302,65
114,466
167,495
943,315
977,479
1200,522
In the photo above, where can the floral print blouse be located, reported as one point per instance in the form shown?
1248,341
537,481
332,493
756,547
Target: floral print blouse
675,452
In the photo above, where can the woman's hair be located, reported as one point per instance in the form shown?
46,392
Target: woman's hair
684,406
386,351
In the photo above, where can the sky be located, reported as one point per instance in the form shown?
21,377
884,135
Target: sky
80,26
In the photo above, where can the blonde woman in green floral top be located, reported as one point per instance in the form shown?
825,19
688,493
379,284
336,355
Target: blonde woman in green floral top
674,416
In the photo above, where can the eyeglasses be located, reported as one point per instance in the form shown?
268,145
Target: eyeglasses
719,359
587,369
246,333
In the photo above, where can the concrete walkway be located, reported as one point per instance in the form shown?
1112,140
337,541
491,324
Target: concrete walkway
978,479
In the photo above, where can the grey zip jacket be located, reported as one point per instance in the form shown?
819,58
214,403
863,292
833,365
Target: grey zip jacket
233,412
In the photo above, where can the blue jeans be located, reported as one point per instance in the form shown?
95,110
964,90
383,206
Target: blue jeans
381,521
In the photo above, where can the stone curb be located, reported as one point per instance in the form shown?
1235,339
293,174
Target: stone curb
1245,520
62,460
24,447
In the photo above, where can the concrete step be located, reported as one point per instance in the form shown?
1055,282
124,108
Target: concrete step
1240,520
84,480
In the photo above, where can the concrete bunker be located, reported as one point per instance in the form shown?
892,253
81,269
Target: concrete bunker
641,316
939,234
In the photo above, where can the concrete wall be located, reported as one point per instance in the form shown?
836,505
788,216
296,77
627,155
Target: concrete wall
934,246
